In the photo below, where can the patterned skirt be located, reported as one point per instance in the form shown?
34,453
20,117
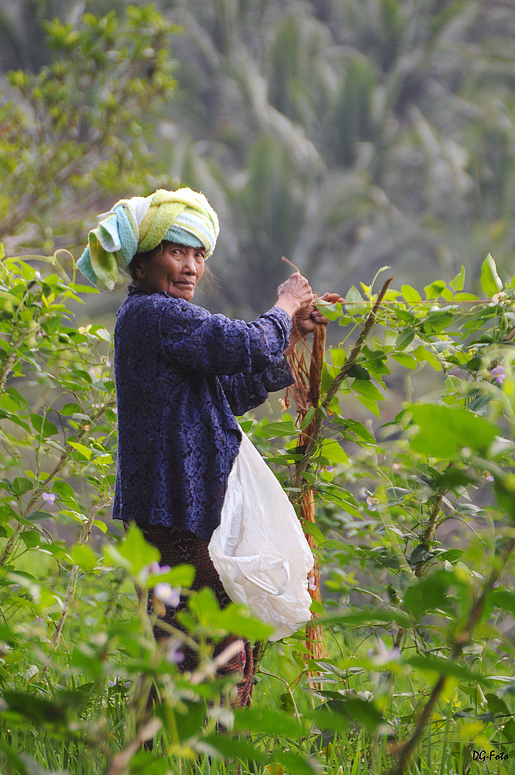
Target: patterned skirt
179,547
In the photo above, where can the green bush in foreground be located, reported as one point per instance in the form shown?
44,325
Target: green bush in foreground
418,676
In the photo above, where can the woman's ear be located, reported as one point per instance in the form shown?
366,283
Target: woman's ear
140,271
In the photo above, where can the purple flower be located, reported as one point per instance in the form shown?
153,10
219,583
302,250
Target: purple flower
49,497
499,373
311,583
383,655
165,594
155,569
489,478
174,653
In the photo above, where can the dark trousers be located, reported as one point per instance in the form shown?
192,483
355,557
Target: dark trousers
180,547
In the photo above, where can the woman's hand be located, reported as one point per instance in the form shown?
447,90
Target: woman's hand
294,295
304,320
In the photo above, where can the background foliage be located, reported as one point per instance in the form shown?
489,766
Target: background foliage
344,135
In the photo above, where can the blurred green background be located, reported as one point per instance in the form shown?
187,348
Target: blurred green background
344,134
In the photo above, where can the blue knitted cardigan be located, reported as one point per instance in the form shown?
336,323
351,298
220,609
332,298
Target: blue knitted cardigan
182,374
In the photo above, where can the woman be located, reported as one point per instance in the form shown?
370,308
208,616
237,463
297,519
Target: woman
182,374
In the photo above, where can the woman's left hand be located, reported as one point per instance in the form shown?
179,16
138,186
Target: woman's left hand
304,320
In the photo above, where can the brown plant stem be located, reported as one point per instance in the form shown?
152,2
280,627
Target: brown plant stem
429,531
11,543
430,527
11,361
314,636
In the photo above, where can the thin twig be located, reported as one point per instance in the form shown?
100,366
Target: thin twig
287,260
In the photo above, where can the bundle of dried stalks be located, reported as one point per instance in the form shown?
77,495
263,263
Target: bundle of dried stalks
306,393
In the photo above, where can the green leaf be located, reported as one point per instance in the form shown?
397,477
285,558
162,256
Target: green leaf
43,426
370,405
490,281
308,417
369,617
84,557
405,338
274,429
338,356
367,389
410,294
189,719
38,709
31,538
146,763
459,281
498,706
504,599
228,747
332,451
64,490
336,714
329,310
465,297
443,666
359,372
294,763
69,410
434,290
81,449
354,302
359,429
237,620
313,530
426,354
429,593
267,722
408,361
178,576
437,321
133,552
22,485
444,431
37,516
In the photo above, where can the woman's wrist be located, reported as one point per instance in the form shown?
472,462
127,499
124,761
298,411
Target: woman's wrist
288,305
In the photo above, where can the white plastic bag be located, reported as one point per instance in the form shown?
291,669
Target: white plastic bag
259,549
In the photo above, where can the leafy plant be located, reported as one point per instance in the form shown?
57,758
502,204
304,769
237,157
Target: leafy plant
413,614
78,129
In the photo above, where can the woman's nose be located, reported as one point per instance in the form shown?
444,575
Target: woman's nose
189,262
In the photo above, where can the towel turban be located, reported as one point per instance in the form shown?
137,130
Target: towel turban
140,224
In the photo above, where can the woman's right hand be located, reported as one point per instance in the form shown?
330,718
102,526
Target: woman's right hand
294,294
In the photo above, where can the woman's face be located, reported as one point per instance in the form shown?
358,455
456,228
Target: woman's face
176,270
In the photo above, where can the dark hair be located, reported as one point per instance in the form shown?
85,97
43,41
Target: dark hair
141,258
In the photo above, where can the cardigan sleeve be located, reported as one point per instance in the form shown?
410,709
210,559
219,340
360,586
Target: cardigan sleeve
246,392
194,340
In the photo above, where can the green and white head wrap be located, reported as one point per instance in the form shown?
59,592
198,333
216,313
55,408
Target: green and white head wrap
140,224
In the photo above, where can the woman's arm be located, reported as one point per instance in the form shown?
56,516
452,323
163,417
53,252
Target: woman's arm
246,392
192,339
